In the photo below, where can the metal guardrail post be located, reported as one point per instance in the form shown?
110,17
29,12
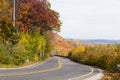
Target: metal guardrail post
118,67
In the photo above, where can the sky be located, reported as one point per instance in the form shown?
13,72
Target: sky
89,19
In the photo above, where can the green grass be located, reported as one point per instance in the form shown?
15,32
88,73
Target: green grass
18,66
15,66
8,66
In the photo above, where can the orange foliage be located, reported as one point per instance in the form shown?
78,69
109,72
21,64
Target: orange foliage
62,46
24,28
79,49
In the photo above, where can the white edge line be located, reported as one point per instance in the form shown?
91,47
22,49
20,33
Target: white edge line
83,75
97,76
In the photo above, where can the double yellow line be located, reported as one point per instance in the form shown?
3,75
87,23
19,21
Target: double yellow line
36,72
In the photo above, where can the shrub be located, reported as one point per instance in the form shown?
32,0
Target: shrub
77,54
30,47
104,56
19,58
36,58
35,44
20,54
4,54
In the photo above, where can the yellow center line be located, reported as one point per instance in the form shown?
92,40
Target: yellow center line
43,71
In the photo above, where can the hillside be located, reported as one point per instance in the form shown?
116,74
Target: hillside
62,46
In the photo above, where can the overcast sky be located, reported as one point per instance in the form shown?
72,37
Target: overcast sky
89,19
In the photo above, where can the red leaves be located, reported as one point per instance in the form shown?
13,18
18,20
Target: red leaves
24,28
38,13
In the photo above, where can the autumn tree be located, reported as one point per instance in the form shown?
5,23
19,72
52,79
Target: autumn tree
34,14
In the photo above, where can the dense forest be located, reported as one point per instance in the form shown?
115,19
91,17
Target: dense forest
28,40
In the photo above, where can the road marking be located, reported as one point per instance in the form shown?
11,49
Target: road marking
98,76
43,71
83,75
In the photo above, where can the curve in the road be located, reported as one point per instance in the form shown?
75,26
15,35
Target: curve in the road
35,72
92,70
57,68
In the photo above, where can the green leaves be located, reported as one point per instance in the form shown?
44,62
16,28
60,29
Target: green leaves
28,39
35,44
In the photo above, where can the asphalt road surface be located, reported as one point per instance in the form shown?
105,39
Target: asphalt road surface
56,68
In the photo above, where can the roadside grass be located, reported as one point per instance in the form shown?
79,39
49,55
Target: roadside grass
8,66
22,65
15,66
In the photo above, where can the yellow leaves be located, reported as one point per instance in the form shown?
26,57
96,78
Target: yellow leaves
65,54
41,44
23,39
5,3
5,8
10,11
103,55
36,58
5,19
79,49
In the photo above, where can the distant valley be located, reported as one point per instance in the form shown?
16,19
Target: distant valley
102,41
77,42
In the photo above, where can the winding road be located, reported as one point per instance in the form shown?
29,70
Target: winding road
56,68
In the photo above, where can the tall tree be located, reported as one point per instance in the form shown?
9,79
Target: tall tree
37,14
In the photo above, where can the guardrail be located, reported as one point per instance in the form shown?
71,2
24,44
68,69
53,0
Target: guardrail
118,67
